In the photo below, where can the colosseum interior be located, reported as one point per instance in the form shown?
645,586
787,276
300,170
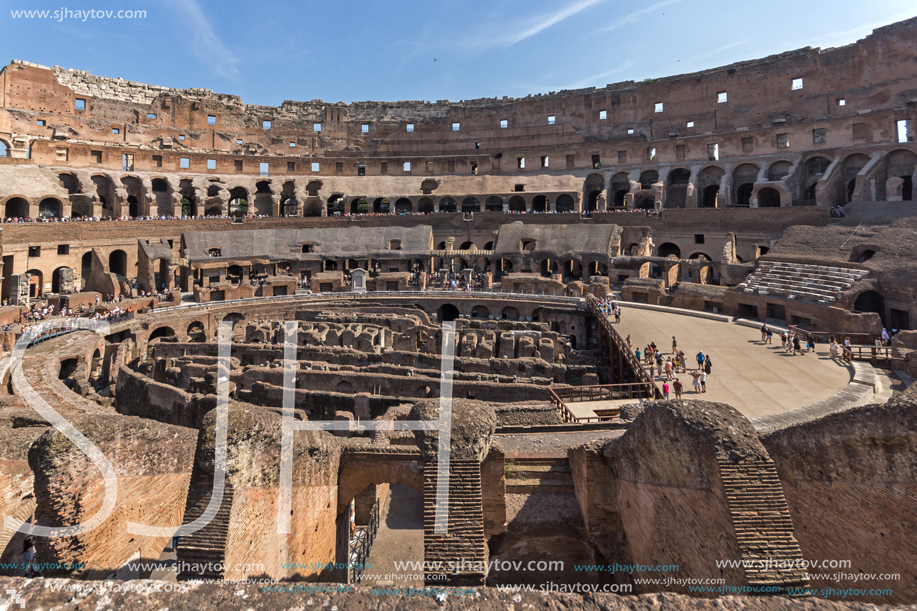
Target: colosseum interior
257,295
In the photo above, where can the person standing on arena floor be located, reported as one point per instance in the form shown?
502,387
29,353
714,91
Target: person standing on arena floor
703,381
696,383
628,341
617,315
764,333
700,359
668,369
770,336
677,387
674,345
665,390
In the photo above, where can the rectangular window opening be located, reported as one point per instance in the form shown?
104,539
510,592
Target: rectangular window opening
658,106
551,119
361,169
797,84
150,115
291,167
783,141
698,238
596,161
364,129
603,114
689,124
157,161
622,156
407,166
905,130
504,124
383,167
721,97
181,137
238,140
34,251
237,164
266,124
819,136
315,166
211,119
570,162
520,163
630,131
748,145
184,162
63,249
115,130
292,145
211,164
316,127
265,168
713,152
40,122
456,127
339,166
680,152
410,127
79,104
518,188
841,102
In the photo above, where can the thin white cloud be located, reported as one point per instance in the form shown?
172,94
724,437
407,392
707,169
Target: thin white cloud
207,45
511,34
595,79
636,15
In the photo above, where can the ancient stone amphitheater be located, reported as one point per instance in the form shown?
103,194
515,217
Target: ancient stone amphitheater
304,293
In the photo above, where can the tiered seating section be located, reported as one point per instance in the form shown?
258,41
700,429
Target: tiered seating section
800,281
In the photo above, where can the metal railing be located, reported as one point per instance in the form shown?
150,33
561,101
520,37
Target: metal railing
361,547
824,337
603,392
642,376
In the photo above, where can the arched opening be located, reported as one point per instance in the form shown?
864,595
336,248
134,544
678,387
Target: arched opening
517,203
50,208
312,207
870,301
159,185
620,187
768,197
336,205
447,204
480,311
160,333
468,246
494,204
644,200
743,195
117,263
4,149
668,249
188,198
677,192
565,203
17,207
852,166
133,208
779,170
71,183
380,206
107,194
540,203
403,206
238,202
234,273
902,163
56,278
447,312
709,199
289,207
509,313
648,178
67,368
425,206
471,204
36,282
196,332
595,184
86,266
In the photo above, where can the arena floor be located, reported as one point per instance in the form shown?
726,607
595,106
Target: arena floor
755,379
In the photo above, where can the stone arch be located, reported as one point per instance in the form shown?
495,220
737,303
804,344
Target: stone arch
648,178
480,311
447,204
360,473
238,202
644,200
708,182
159,185
108,196
870,301
312,207
160,332
676,195
50,207
344,387
667,249
540,203
851,166
517,203
509,313
620,186
70,182
494,204
779,170
902,163
565,203
403,206
592,189
471,204
117,263
447,312
196,332
36,282
5,148
56,277
744,178
768,197
381,205
425,206
17,207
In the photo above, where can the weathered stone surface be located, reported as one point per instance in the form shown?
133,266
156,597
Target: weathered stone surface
473,426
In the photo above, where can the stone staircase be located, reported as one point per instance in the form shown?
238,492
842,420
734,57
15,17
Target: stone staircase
207,547
762,523
464,545
538,475
817,283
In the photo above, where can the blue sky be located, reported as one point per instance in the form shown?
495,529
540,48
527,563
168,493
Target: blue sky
348,50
